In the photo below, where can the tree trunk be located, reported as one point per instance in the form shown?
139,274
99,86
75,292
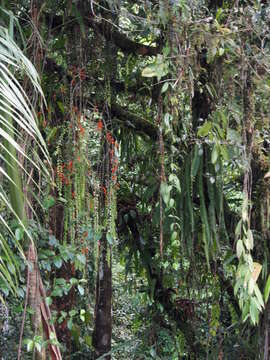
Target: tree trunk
103,309
103,313
35,299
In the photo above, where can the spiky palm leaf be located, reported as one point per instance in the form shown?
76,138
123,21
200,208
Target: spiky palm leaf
17,123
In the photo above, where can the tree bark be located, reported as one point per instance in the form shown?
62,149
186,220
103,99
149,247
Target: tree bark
103,309
103,317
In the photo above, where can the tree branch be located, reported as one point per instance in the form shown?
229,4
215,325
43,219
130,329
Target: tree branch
121,40
109,32
134,121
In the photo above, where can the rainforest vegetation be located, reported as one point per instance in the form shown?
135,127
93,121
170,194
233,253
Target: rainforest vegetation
134,179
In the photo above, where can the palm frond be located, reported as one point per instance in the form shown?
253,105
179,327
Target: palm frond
17,122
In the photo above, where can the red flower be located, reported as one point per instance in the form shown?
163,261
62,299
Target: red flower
82,130
99,125
85,250
70,165
110,138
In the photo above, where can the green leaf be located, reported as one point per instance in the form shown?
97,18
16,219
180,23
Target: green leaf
61,106
58,262
149,71
254,311
72,312
81,290
205,129
164,87
88,340
57,291
251,285
19,233
221,51
48,300
20,292
74,281
30,345
239,248
52,240
224,153
51,134
81,258
153,352
165,190
245,312
82,315
109,238
98,236
259,295
249,242
214,154
267,289
171,203
48,202
238,228
233,136
70,324
174,180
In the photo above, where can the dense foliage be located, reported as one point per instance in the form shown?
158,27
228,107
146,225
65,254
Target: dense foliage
134,168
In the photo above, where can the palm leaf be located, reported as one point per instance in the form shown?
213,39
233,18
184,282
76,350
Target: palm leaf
17,122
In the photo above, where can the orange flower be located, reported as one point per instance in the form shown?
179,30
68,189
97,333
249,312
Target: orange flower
112,152
82,130
84,250
99,125
109,138
70,165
